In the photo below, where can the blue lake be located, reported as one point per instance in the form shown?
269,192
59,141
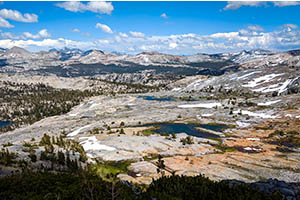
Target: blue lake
189,129
152,98
4,123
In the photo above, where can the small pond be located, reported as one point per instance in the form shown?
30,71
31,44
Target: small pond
189,129
152,98
4,123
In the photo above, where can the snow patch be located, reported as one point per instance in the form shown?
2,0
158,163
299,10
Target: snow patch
94,104
246,75
91,143
280,87
261,80
206,115
268,103
252,114
253,139
74,133
242,124
251,149
73,114
200,105
176,89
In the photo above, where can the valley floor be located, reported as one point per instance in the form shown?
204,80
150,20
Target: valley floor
262,140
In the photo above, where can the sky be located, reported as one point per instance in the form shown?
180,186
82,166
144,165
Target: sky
181,28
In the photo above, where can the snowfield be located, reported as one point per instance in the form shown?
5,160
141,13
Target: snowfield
279,87
252,114
200,105
73,115
91,143
253,139
268,103
207,115
242,124
176,89
246,75
261,80
74,133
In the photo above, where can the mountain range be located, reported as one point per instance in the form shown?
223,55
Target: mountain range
76,62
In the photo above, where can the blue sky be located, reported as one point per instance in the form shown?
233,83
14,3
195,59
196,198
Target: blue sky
133,27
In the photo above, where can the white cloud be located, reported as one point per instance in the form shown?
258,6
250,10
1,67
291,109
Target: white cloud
41,34
234,5
286,3
289,26
137,34
103,41
5,24
73,6
164,15
101,7
76,30
173,45
153,47
224,35
9,35
26,35
104,28
123,35
17,16
131,49
255,28
282,38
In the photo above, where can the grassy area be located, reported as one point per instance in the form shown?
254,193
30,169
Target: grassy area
220,124
216,139
148,131
150,157
225,148
108,168
289,139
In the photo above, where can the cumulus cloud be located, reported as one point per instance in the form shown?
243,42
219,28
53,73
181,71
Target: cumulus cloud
103,41
286,3
101,7
255,28
45,43
5,24
289,26
173,45
17,16
234,5
164,15
26,35
9,35
41,34
104,28
137,34
123,35
282,38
